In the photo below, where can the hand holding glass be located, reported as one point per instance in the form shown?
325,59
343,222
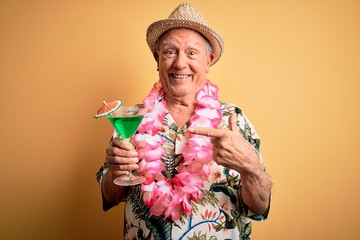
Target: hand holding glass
126,120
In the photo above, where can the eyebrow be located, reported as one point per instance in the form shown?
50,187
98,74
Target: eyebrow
169,42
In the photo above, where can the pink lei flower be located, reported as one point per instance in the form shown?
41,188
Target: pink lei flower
171,197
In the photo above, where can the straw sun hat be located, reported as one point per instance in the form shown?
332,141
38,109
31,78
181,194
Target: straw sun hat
186,16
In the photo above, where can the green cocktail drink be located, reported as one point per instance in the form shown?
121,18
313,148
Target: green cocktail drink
126,125
126,121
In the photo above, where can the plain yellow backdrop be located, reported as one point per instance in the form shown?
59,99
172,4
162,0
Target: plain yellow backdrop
293,66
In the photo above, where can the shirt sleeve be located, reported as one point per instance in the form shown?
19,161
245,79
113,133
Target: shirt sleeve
248,131
99,176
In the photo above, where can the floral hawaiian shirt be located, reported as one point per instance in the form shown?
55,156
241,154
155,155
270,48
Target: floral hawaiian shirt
220,214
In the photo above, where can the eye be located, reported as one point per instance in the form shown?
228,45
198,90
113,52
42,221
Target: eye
192,53
170,52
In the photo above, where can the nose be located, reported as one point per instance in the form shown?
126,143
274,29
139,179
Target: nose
180,61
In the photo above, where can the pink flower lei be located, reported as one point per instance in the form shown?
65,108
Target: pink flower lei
171,197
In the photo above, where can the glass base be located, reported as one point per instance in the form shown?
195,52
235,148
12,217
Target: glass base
129,180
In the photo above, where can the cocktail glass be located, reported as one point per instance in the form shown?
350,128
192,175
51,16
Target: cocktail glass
126,120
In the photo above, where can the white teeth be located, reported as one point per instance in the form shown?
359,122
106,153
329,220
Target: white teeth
180,76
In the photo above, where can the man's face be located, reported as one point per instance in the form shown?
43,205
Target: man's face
183,62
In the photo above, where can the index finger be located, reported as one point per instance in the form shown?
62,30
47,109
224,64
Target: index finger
207,131
117,142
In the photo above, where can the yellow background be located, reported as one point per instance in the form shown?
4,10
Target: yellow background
293,66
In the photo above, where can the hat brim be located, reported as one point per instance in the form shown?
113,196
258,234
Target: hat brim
158,28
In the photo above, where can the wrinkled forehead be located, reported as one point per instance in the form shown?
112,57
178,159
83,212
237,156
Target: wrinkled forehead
192,36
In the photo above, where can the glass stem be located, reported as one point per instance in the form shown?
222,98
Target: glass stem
130,173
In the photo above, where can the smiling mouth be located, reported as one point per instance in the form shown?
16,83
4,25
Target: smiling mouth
179,76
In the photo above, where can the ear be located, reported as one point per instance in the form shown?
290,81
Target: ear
210,59
156,56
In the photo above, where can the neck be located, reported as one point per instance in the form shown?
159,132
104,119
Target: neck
180,109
